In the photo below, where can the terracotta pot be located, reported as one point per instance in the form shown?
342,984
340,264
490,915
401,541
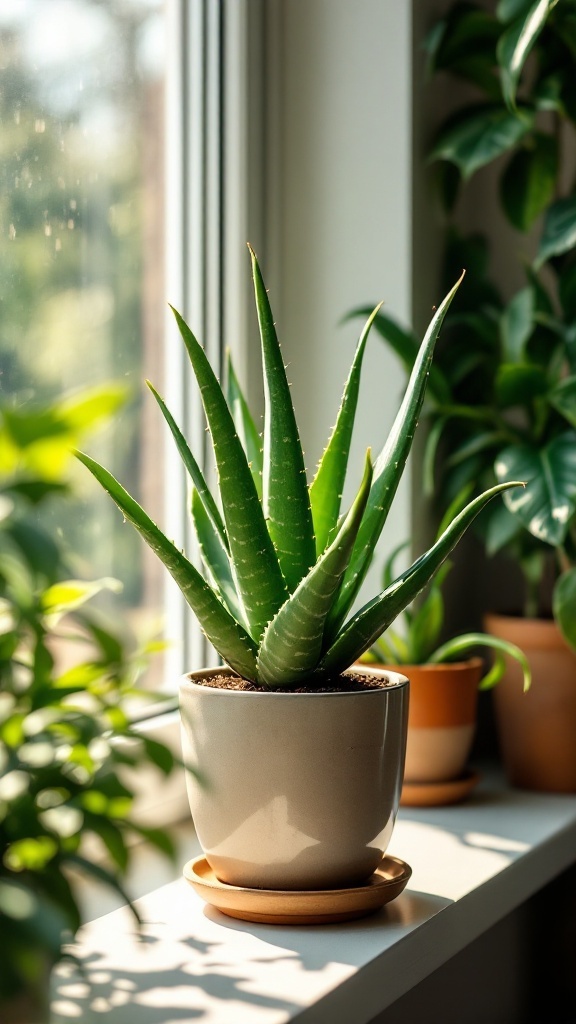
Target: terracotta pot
441,719
537,729
299,790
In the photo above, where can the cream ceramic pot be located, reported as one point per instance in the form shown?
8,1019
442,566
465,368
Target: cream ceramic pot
297,790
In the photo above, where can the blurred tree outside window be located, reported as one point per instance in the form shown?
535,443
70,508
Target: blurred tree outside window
82,253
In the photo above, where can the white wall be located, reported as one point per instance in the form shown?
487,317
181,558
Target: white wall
339,231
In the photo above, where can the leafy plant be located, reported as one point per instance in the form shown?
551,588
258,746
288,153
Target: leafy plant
285,570
504,389
62,766
416,639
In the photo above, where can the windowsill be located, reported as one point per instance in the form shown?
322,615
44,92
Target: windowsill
472,865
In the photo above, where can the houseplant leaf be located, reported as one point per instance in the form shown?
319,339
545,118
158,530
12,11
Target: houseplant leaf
388,470
247,432
478,136
559,233
529,181
518,384
563,398
515,45
516,324
375,617
256,570
227,635
328,484
460,644
285,491
549,499
405,344
292,644
192,468
564,606
215,556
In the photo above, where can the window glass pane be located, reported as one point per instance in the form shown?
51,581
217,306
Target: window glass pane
81,267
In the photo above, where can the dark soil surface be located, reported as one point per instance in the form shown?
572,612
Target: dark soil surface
344,684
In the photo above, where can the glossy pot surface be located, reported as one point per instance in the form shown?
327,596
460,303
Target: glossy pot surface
298,790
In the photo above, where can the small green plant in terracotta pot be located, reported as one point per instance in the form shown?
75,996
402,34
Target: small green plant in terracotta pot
444,683
303,760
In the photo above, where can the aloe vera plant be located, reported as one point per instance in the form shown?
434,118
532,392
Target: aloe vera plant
282,565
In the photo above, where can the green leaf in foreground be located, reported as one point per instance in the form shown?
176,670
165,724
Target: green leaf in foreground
222,630
328,484
292,644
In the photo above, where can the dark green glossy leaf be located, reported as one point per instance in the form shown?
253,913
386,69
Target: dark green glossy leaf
478,136
498,527
567,290
227,636
364,627
563,398
259,580
518,384
516,325
529,182
389,468
483,441
516,43
192,467
559,235
328,484
292,644
247,432
564,606
285,490
509,10
548,503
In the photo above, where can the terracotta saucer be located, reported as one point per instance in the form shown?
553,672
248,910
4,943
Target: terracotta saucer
281,906
434,794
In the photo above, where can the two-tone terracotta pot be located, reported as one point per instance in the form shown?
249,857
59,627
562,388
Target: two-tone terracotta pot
297,790
537,729
441,720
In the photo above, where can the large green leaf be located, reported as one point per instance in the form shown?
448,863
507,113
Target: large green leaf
466,641
529,181
292,644
559,235
563,398
255,566
564,605
516,43
364,627
516,324
478,136
548,502
247,432
389,468
227,635
215,556
328,484
518,384
286,498
508,10
192,468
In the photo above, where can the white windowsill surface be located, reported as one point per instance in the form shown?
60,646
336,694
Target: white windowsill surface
472,864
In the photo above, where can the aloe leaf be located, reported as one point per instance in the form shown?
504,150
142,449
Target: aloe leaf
389,468
215,556
362,630
285,490
328,484
192,467
226,635
460,644
247,432
255,566
292,644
